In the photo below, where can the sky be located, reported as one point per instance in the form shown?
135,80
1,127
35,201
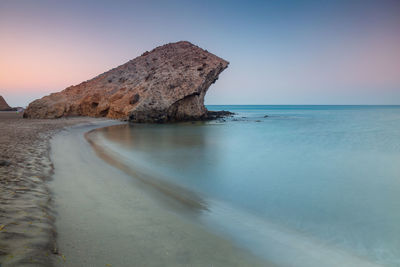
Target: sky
280,52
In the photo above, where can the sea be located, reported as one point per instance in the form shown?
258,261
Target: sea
297,185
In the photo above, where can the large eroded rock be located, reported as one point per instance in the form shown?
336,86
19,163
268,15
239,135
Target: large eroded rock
166,84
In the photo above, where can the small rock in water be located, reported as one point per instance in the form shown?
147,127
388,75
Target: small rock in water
218,114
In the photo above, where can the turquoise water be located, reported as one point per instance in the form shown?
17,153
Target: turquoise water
305,186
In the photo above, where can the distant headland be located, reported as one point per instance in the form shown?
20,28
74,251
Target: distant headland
5,107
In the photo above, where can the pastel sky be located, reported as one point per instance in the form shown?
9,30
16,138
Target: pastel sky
280,52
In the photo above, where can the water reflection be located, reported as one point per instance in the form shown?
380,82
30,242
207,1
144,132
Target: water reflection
173,195
178,146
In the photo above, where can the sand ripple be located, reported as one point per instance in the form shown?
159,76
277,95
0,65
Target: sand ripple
27,236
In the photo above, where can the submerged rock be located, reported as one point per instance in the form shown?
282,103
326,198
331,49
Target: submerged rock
212,115
164,85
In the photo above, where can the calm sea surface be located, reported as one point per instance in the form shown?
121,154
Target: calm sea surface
305,186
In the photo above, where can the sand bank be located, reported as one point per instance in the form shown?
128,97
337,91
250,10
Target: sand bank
26,213
106,217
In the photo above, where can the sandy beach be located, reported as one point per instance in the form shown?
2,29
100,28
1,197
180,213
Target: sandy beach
106,217
62,205
27,236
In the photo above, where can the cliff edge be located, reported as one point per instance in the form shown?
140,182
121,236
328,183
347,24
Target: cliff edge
166,84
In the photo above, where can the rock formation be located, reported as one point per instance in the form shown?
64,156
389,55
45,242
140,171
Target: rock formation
164,85
4,106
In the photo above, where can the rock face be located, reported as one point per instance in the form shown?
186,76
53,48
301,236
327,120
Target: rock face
3,105
166,84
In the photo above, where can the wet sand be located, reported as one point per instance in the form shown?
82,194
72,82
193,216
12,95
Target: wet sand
27,236
106,217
